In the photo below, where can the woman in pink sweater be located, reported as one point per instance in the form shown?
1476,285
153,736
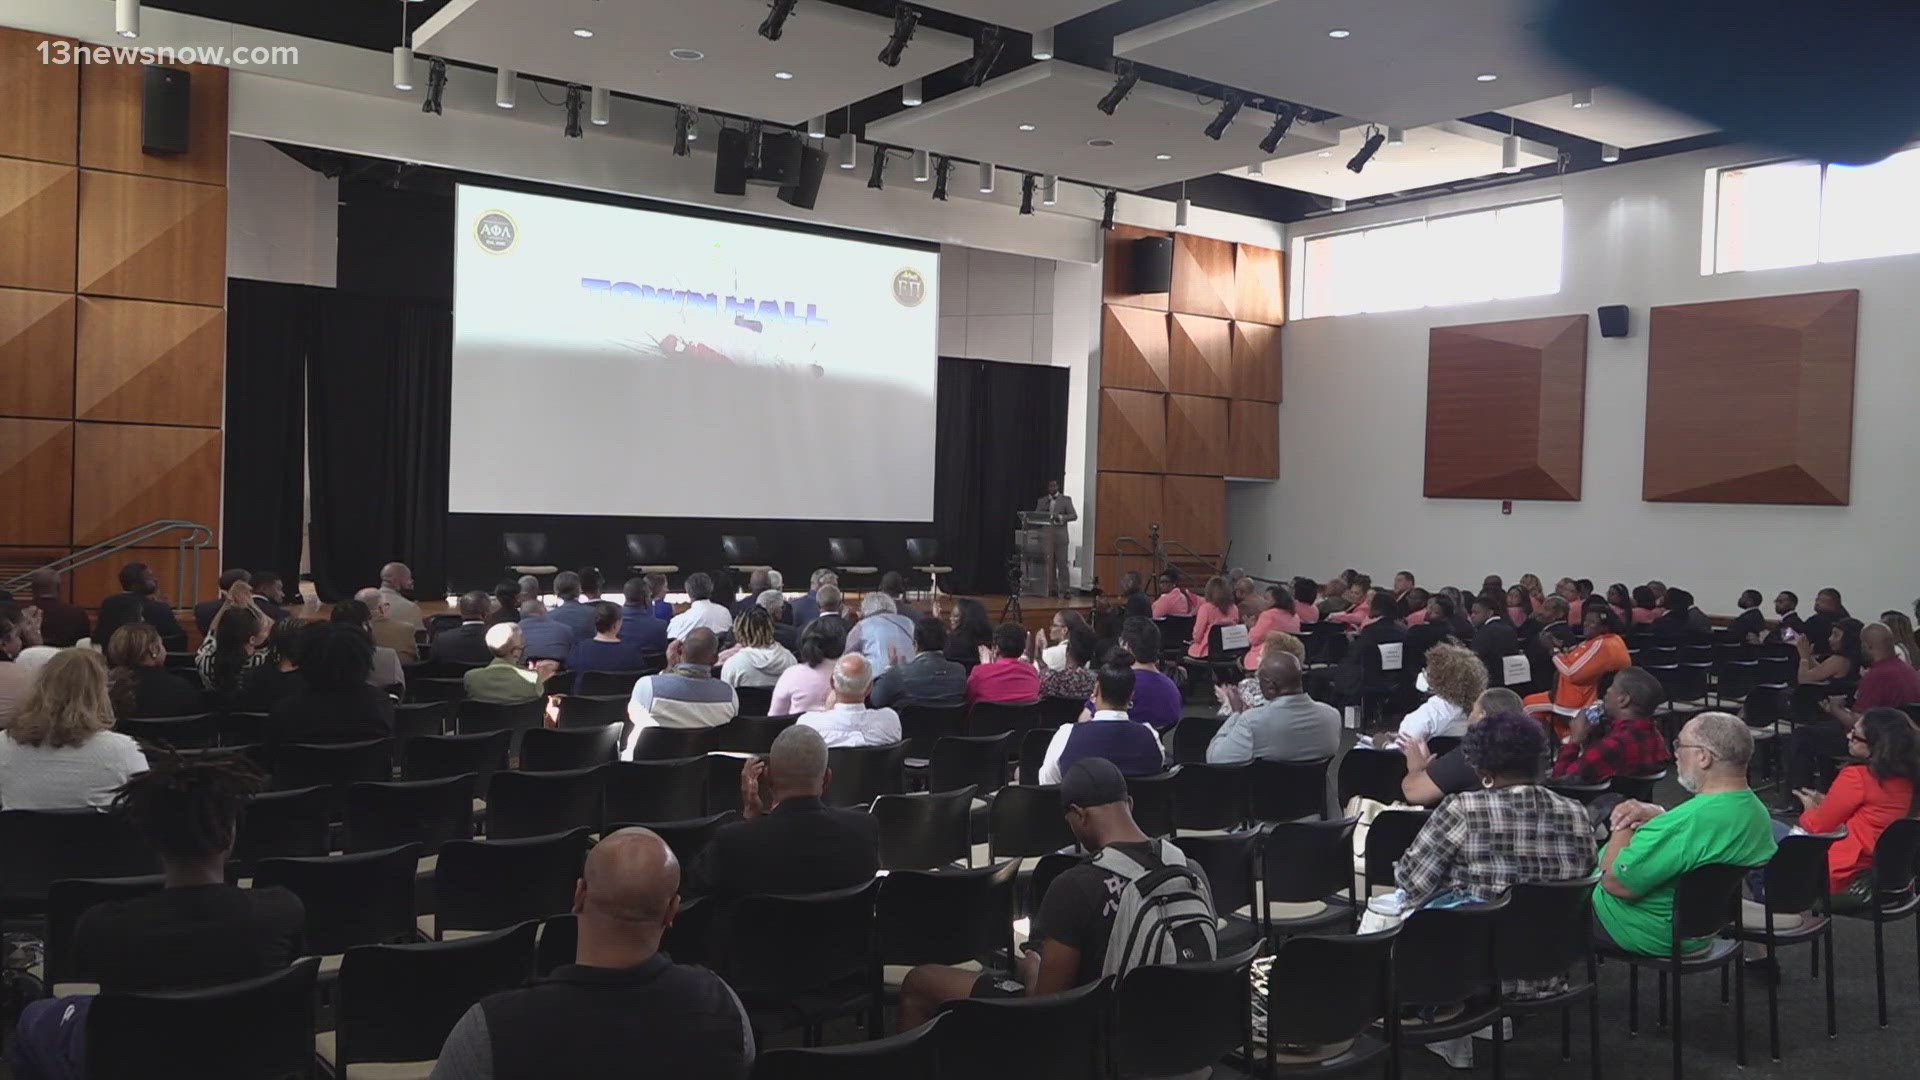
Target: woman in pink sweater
1279,616
1216,609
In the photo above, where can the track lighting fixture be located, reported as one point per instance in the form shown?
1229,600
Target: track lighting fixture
1106,209
922,166
1396,136
849,150
776,21
986,51
600,106
817,128
1049,190
1510,154
503,81
986,178
1124,78
1367,149
436,86
941,167
1282,120
1042,44
683,119
1026,193
1583,99
905,18
126,18
1338,206
402,68
1609,153
574,101
1230,103
1181,208
910,95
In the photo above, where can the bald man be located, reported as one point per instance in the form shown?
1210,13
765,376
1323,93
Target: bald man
622,1002
506,680
1289,726
387,630
395,580
846,721
686,695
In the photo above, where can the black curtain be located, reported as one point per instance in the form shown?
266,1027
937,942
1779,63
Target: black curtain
1002,435
271,329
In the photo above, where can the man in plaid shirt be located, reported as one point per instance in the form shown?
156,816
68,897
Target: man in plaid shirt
1624,743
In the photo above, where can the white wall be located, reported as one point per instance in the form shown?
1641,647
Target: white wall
1352,424
282,217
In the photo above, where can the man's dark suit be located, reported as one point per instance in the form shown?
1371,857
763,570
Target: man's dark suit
123,608
61,624
463,644
1493,641
801,847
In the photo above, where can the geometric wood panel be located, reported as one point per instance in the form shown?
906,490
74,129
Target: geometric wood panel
1196,507
36,481
1129,505
152,239
1201,354
1506,408
1256,362
1751,401
1118,269
129,474
1197,435
41,104
149,363
1133,348
1133,431
110,117
1253,432
1203,276
36,224
36,353
1260,285
97,580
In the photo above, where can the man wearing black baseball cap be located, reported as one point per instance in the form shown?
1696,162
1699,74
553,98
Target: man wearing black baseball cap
1068,945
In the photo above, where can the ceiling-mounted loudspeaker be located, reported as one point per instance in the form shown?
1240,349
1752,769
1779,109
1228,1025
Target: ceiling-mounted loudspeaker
1613,320
806,165
166,101
730,162
1152,265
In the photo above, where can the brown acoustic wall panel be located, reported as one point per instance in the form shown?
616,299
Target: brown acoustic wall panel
1200,352
1196,509
1203,281
1196,435
1133,431
36,353
1256,362
36,480
1506,407
110,118
1133,349
1130,504
37,203
1118,269
149,363
152,239
1253,434
1751,401
126,475
42,98
1260,284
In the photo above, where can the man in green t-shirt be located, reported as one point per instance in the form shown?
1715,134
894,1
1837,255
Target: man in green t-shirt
1724,822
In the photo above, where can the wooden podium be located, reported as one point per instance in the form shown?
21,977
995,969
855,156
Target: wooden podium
1035,542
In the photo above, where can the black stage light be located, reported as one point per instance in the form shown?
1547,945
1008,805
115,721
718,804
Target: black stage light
941,167
1282,120
683,120
986,50
776,21
877,178
574,100
1106,209
904,20
1230,103
1367,149
436,86
1026,193
1124,78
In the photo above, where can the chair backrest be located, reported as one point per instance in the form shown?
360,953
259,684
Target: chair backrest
67,900
922,550
1171,1019
923,725
910,1053
489,884
1372,774
755,702
398,1002
297,765
283,823
1302,861
1210,796
979,760
521,804
753,732
45,846
646,548
1055,1036
559,944
1545,928
925,830
179,732
242,728
424,812
1033,754
590,710
672,790
474,717
1287,790
663,743
1326,990
946,916
439,689
1388,838
351,900
862,774
995,717
552,749
1191,737
1228,860
782,946
525,547
1894,856
1445,955
846,550
1055,711
429,757
740,550
1704,900
723,782
1026,821
259,1028
1176,632
688,837
1153,801
420,718
606,683
1637,787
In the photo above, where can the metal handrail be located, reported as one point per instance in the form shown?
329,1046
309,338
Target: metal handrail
1155,549
193,537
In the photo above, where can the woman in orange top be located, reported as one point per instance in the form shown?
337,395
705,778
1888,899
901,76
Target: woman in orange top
1279,616
1216,609
1581,668
1867,796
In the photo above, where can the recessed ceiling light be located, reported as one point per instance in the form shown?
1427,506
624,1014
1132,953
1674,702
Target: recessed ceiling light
581,31
1099,144
1163,157
1339,32
1485,76
1026,127
687,54
1325,153
783,74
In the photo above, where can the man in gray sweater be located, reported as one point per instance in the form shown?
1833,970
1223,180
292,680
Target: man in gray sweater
1289,726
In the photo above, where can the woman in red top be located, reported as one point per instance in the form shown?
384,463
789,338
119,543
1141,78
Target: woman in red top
1867,796
1217,609
1279,616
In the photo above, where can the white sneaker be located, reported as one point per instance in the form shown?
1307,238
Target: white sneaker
1457,1053
1506,1030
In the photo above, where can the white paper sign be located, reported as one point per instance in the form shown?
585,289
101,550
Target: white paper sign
1233,636
1515,671
1390,656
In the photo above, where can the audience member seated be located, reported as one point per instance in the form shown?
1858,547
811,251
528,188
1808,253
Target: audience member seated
1413,605
1536,593
62,625
1493,638
1897,624
846,721
774,602
1378,624
1519,607
1620,599
591,582
546,637
464,645
807,684
969,629
640,624
1645,607
1581,667
1788,623
197,931
530,590
1175,598
236,645
1616,737
1332,597
808,608
1156,698
337,704
57,752
1651,848
506,680
833,602
1287,726
1681,623
138,603
1430,779
929,679
1827,610
757,658
386,662
506,603
1304,591
572,612
395,581
1074,919
1886,682
606,650
138,682
1004,675
1456,679
1051,650
685,695
267,684
205,610
16,679
657,593
1873,792
1569,590
1075,679
757,583
702,612
621,1001
725,595
791,841
1106,731
388,632
894,584
1133,596
1750,626
1280,616
1439,622
1245,598
884,637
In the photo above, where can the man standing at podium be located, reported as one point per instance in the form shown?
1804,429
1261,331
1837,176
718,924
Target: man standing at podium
1059,511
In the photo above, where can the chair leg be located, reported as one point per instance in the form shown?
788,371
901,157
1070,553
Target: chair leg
1773,1019
1740,1007
1633,999
1593,1032
1500,1046
1662,1018
1833,1026
1880,966
1723,986
1673,1026
1566,1033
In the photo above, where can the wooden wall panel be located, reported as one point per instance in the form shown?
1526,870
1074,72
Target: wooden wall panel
1253,440
1133,349
1118,269
37,203
1196,435
98,580
1199,505
36,480
36,353
149,363
1130,504
42,99
1506,407
110,116
1200,351
1133,431
152,239
1203,276
1256,362
1260,284
129,474
1751,401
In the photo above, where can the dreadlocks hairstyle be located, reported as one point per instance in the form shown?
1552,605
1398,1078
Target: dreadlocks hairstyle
189,809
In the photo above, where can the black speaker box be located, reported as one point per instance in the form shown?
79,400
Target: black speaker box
1613,320
730,163
806,165
166,98
1152,265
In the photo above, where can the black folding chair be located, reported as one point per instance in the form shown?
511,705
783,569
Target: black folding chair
803,960
1055,711
1324,995
1209,796
1304,862
606,683
1153,801
420,718
1388,837
753,732
687,838
910,1053
430,757
921,725
424,812
67,900
1445,957
1371,774
579,710
478,717
998,717
522,804
925,830
258,1028
45,846
282,823
1795,884
657,743
1544,932
1027,822
1287,790
1174,1019
1230,861
1033,754
490,884
947,916
674,790
977,760
1894,894
397,1003
754,700
556,749
1053,1037
360,899
1191,737
179,732
862,774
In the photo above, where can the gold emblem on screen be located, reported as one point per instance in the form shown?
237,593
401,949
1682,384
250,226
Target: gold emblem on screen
909,288
496,232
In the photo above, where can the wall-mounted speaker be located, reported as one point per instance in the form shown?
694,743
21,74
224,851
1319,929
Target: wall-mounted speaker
730,162
806,165
1152,262
166,99
1613,320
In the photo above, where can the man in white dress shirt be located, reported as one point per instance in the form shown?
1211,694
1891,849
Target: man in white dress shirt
702,612
848,721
